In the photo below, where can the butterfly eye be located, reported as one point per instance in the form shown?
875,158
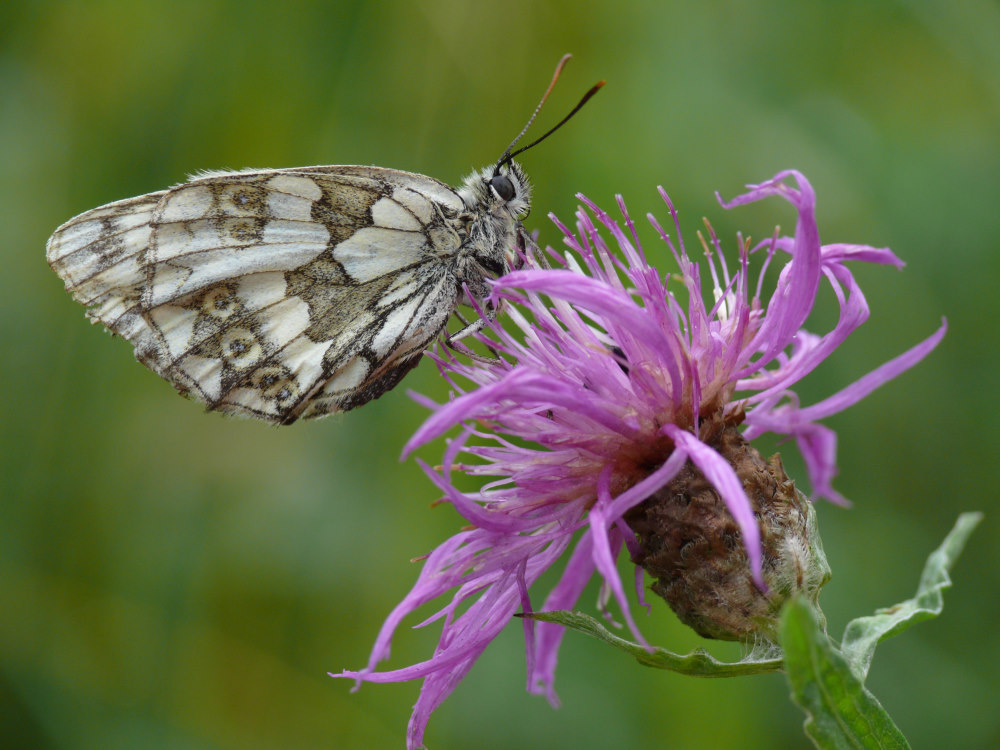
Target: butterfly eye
503,186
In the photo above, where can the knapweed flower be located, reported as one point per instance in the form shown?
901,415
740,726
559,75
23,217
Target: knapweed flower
618,416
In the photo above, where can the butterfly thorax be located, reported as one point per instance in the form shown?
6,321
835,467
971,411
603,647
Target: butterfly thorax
493,222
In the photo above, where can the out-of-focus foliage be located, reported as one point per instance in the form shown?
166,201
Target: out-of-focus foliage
176,579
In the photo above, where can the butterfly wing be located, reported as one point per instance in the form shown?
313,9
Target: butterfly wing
278,294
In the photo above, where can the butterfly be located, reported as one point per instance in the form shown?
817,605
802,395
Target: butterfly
287,294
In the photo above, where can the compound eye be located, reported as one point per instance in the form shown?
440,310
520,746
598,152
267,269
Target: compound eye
503,186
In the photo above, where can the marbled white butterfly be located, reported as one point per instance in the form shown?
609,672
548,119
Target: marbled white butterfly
294,293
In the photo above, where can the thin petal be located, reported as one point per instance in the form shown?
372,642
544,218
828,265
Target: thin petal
549,635
877,377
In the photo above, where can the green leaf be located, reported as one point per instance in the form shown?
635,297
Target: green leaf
840,712
698,663
863,634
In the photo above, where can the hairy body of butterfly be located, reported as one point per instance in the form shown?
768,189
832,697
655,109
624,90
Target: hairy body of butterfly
290,293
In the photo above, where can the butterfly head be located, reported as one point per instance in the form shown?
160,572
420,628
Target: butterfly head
498,189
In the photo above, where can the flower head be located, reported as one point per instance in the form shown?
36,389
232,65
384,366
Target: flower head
615,391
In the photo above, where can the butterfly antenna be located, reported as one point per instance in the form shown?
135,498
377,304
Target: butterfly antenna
507,155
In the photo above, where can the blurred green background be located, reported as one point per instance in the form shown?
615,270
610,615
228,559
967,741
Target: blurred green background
176,579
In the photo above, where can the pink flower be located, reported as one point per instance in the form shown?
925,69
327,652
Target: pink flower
609,388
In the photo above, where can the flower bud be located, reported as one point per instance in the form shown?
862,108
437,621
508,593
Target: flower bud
693,548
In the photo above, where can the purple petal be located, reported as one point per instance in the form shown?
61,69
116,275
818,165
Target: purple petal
843,252
524,386
604,560
812,352
549,635
797,284
877,377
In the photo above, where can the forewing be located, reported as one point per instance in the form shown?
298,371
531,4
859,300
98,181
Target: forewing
277,294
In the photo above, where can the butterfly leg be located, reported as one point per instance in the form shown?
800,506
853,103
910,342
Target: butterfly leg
452,340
